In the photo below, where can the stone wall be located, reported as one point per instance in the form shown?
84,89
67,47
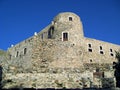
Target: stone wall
56,54
86,79
44,80
20,57
46,60
105,54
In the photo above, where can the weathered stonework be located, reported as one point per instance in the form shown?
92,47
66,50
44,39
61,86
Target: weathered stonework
60,56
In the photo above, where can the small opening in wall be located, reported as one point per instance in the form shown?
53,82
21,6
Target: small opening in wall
90,60
101,52
112,54
65,36
42,36
10,56
100,47
90,50
89,45
17,54
111,50
25,51
70,18
51,32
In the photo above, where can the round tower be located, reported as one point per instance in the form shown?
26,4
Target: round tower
68,27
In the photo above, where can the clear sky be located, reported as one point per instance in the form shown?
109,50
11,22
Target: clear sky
19,19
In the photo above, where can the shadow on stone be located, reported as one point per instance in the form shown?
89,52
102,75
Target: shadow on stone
0,77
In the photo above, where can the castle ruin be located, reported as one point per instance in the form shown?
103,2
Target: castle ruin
60,56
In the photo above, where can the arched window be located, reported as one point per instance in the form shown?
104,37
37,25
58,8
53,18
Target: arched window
25,51
51,32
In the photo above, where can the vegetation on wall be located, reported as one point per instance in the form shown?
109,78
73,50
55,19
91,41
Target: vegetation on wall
116,66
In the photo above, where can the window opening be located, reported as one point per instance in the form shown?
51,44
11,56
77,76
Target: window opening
70,18
90,60
101,52
111,50
100,47
65,36
42,36
50,32
89,45
25,51
112,54
90,50
17,54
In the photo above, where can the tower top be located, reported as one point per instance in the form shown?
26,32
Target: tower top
66,17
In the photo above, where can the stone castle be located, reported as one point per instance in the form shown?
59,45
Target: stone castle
59,56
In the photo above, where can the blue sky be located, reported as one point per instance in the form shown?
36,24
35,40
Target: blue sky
19,19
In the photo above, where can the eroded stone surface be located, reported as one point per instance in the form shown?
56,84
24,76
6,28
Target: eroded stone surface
59,57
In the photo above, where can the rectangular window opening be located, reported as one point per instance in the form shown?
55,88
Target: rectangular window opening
65,36
101,52
70,18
